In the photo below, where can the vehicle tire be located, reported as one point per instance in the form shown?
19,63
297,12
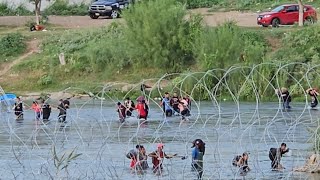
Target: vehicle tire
275,22
93,16
265,26
114,14
309,20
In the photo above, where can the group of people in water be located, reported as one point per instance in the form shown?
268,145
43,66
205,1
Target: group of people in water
285,97
43,108
139,158
175,105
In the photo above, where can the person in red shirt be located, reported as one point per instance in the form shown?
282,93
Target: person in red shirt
142,109
157,158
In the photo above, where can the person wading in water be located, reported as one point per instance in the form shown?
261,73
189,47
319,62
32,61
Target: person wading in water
197,157
275,155
157,158
313,93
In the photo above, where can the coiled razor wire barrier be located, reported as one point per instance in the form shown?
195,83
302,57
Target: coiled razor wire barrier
93,143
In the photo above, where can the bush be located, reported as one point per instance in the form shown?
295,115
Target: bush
62,7
159,36
5,10
12,45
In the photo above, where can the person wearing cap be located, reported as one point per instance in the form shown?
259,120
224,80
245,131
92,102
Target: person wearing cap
121,109
241,161
275,155
197,157
157,158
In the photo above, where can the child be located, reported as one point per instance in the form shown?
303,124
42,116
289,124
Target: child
37,109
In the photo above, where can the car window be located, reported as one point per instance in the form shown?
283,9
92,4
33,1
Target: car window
277,9
292,9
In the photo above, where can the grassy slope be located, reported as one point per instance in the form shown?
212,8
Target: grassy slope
24,77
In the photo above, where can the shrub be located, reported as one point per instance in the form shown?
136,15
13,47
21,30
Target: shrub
158,35
11,45
21,10
62,7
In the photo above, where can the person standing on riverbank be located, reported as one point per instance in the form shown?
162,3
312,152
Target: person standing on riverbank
197,157
284,94
157,158
313,93
275,155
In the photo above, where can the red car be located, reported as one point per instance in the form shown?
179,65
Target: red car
287,14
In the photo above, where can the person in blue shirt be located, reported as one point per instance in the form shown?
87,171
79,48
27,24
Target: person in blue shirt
165,103
197,157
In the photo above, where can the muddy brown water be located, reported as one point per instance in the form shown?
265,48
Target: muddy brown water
93,130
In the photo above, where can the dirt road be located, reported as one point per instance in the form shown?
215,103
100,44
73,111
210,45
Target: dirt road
210,18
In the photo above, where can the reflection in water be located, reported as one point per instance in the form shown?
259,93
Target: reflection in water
26,146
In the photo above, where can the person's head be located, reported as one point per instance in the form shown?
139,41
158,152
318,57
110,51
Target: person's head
118,103
160,146
283,90
283,147
166,95
128,98
245,156
34,102
139,147
175,94
61,100
143,101
199,144
18,99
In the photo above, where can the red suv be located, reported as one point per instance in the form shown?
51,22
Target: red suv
287,14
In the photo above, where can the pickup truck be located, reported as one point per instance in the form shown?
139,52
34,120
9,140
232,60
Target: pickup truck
111,8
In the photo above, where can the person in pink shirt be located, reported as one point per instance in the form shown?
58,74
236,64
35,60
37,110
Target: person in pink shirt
37,109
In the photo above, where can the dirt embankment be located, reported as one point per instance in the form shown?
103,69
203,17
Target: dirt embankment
210,18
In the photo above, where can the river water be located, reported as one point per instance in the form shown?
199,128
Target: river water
92,129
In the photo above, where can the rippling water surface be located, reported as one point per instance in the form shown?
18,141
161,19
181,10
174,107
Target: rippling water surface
92,129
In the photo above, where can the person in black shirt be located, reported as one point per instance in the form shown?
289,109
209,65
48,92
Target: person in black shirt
130,106
62,111
174,102
18,108
313,94
46,110
285,97
275,155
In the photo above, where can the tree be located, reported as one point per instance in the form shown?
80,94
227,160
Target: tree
301,8
37,8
